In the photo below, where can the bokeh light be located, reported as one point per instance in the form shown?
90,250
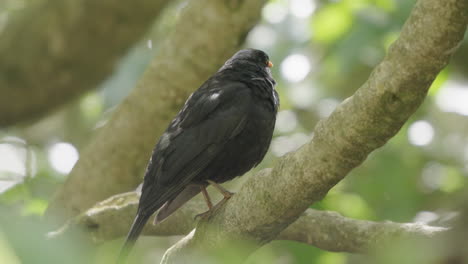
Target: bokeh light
326,106
295,67
432,176
453,97
302,8
262,37
302,96
274,12
284,144
62,157
13,157
286,121
420,133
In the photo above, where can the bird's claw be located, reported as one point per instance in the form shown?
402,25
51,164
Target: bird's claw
208,213
204,215
227,195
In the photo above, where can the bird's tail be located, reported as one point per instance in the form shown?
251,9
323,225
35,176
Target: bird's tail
135,230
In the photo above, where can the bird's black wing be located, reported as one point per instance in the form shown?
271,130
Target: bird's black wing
209,119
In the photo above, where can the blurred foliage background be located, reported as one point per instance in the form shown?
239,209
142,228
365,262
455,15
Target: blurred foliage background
323,50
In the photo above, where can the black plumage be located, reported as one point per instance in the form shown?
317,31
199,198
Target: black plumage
223,130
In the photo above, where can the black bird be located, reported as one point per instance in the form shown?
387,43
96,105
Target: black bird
223,130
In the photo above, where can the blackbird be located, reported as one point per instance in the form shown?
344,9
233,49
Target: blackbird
223,130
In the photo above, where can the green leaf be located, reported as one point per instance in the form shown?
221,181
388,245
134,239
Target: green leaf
35,207
452,181
387,5
439,81
7,255
331,22
332,258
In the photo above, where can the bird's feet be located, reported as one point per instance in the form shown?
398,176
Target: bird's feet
204,215
210,211
227,195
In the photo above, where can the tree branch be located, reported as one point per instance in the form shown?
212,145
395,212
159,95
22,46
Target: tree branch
332,232
272,200
57,49
326,230
207,33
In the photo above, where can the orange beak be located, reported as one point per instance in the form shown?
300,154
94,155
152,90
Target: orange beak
270,64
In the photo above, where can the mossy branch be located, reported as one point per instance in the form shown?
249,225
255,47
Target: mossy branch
323,229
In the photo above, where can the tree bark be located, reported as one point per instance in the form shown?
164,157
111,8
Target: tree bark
55,50
207,33
272,200
323,229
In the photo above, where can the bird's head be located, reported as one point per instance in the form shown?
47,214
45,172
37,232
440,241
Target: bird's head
252,56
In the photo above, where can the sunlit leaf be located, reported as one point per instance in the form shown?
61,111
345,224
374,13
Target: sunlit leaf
331,22
92,105
332,258
356,4
7,255
17,193
452,181
388,5
439,81
35,207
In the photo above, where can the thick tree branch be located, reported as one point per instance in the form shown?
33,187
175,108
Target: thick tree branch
272,200
207,33
326,230
57,49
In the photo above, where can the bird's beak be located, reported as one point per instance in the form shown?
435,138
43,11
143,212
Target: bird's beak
270,64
